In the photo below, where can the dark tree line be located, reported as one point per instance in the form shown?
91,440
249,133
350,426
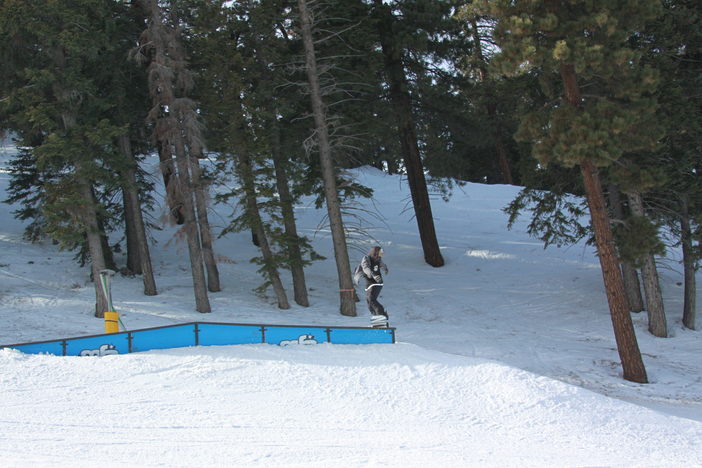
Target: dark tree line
597,100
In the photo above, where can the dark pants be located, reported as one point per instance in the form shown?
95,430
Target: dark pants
372,292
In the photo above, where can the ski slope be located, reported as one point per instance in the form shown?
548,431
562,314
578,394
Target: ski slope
506,357
325,405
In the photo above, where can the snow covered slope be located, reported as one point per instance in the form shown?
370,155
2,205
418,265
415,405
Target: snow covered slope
325,405
506,357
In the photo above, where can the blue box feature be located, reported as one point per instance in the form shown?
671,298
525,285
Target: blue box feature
285,336
102,345
362,335
223,334
205,334
163,338
49,347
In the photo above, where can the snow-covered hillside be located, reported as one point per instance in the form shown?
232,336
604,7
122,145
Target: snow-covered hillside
506,357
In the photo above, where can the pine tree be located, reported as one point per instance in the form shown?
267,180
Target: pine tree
253,214
629,274
240,83
177,130
646,240
600,109
126,84
674,46
480,31
331,194
56,102
402,106
637,238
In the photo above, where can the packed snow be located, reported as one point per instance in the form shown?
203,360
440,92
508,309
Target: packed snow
505,356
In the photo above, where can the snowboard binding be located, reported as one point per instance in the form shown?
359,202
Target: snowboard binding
379,321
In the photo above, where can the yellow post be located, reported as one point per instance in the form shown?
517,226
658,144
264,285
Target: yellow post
111,322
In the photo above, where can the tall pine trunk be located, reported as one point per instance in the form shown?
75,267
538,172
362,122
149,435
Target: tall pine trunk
629,273
200,192
247,178
331,195
104,240
133,255
176,131
88,213
95,247
135,220
649,273
170,182
97,255
292,243
402,106
192,233
624,333
632,285
689,301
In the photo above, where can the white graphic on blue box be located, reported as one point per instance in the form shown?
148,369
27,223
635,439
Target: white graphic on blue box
104,350
301,340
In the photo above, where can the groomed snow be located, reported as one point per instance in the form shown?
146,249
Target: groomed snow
506,357
322,405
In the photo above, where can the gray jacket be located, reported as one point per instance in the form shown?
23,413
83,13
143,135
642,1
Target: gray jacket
372,269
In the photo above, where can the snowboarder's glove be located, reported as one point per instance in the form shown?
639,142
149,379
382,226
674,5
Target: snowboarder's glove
385,269
377,278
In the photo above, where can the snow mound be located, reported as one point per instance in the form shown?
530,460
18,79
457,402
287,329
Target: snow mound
387,405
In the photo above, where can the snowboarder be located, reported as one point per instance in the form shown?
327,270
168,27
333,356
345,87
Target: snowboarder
372,265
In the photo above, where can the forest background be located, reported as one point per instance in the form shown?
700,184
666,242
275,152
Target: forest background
593,99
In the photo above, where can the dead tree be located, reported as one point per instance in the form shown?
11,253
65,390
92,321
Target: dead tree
178,133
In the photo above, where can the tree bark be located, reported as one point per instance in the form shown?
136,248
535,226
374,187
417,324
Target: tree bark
136,227
624,333
629,274
95,248
169,114
291,240
104,240
654,299
170,184
632,287
88,215
133,256
689,301
402,106
343,266
287,210
202,302
625,336
249,183
203,223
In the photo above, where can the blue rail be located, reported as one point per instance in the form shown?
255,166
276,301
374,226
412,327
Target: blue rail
205,334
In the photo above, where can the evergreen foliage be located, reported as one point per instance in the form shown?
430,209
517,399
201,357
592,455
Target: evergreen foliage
556,218
535,94
601,106
637,238
55,72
